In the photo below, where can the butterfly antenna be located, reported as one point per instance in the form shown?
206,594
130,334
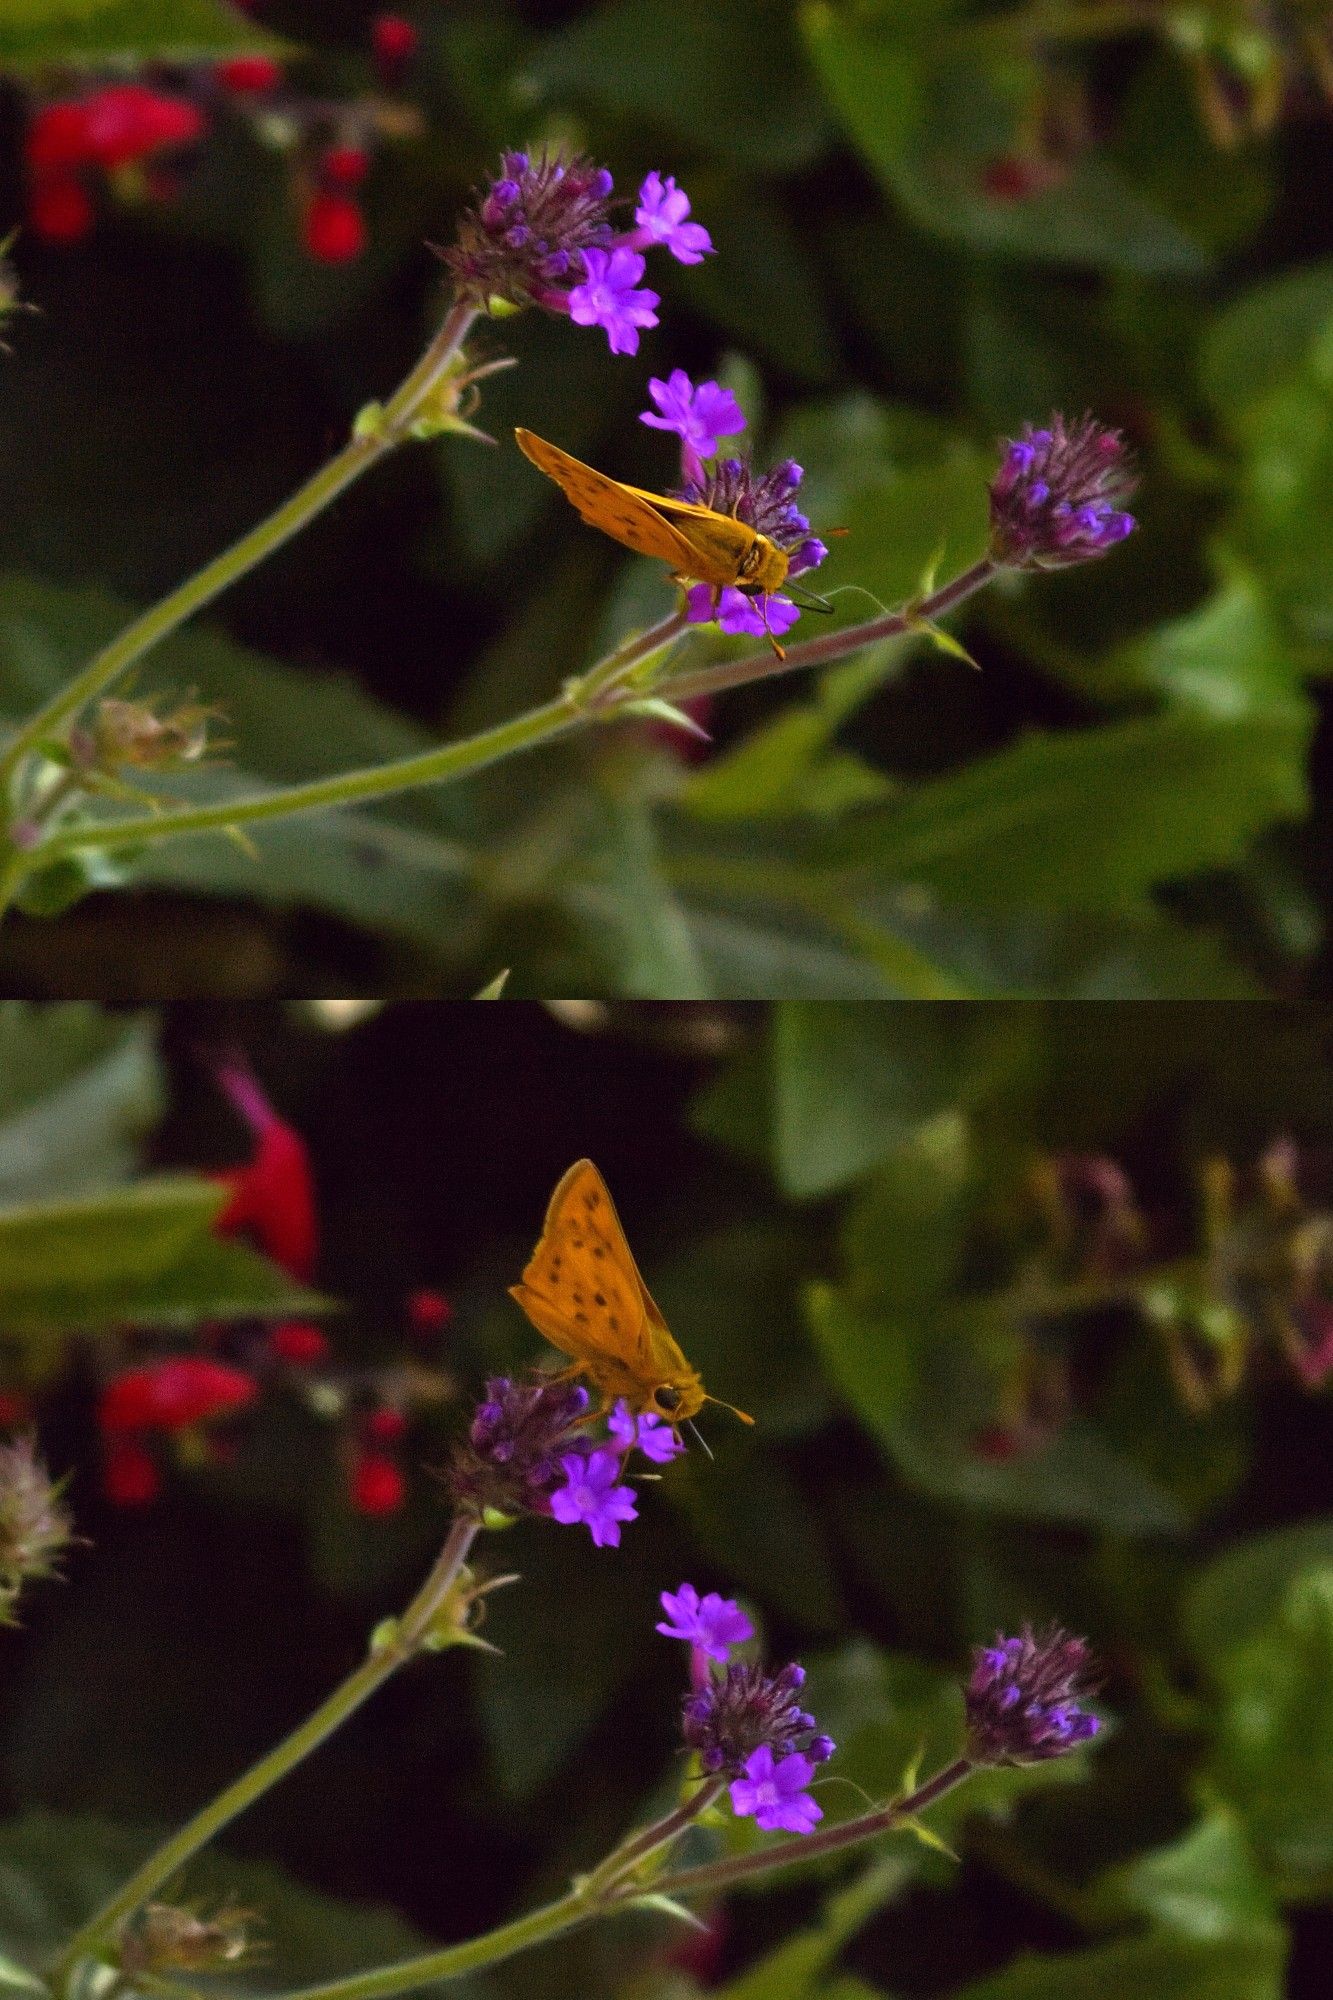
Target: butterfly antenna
729,1406
703,1441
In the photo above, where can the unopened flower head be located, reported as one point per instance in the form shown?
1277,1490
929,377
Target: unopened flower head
746,1707
1023,1698
1057,497
161,1939
510,1461
541,234
34,1527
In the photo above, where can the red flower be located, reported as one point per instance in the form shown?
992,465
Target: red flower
127,122
173,1395
298,1343
273,1198
249,76
130,1476
377,1485
428,1313
57,138
333,229
60,209
345,166
15,1409
395,42
386,1426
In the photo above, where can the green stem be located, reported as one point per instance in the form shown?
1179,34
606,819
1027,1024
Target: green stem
572,709
714,1876
596,1895
356,457
330,1715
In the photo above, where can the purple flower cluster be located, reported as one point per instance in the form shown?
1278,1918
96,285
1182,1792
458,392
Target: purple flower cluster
1056,498
1022,1698
541,234
701,416
528,1450
745,1723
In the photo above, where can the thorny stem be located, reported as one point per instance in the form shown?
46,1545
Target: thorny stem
401,1646
364,449
596,1896
597,697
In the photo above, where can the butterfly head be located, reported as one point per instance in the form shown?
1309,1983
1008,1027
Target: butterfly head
677,1402
763,566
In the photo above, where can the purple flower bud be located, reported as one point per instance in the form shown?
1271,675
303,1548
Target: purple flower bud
1055,498
510,1462
1022,1698
533,212
743,1709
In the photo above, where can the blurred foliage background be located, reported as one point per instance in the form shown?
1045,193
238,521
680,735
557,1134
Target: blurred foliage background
835,1209
934,220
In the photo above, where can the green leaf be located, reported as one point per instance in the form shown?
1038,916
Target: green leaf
1092,819
34,33
1227,660
78,1089
1205,1885
55,1870
1240,1592
852,1084
929,123
663,62
796,1969
1274,1753
137,1255
1264,336
1162,1965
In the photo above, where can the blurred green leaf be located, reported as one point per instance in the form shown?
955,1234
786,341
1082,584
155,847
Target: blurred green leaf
56,1870
1205,1885
852,1084
78,1089
796,1970
138,1255
930,124
1161,1964
1226,660
725,75
1274,1754
1090,820
1264,335
39,32
1240,1592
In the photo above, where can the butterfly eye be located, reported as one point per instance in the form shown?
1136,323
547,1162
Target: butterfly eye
666,1398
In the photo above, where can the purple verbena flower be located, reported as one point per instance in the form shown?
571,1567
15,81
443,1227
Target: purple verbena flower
712,1624
700,416
774,1792
740,613
607,297
514,1454
1022,1698
661,215
649,1433
525,236
745,1706
591,1494
1056,498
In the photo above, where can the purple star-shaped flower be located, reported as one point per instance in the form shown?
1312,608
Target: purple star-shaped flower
607,297
661,215
591,1495
650,1434
739,614
700,417
775,1794
713,1624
